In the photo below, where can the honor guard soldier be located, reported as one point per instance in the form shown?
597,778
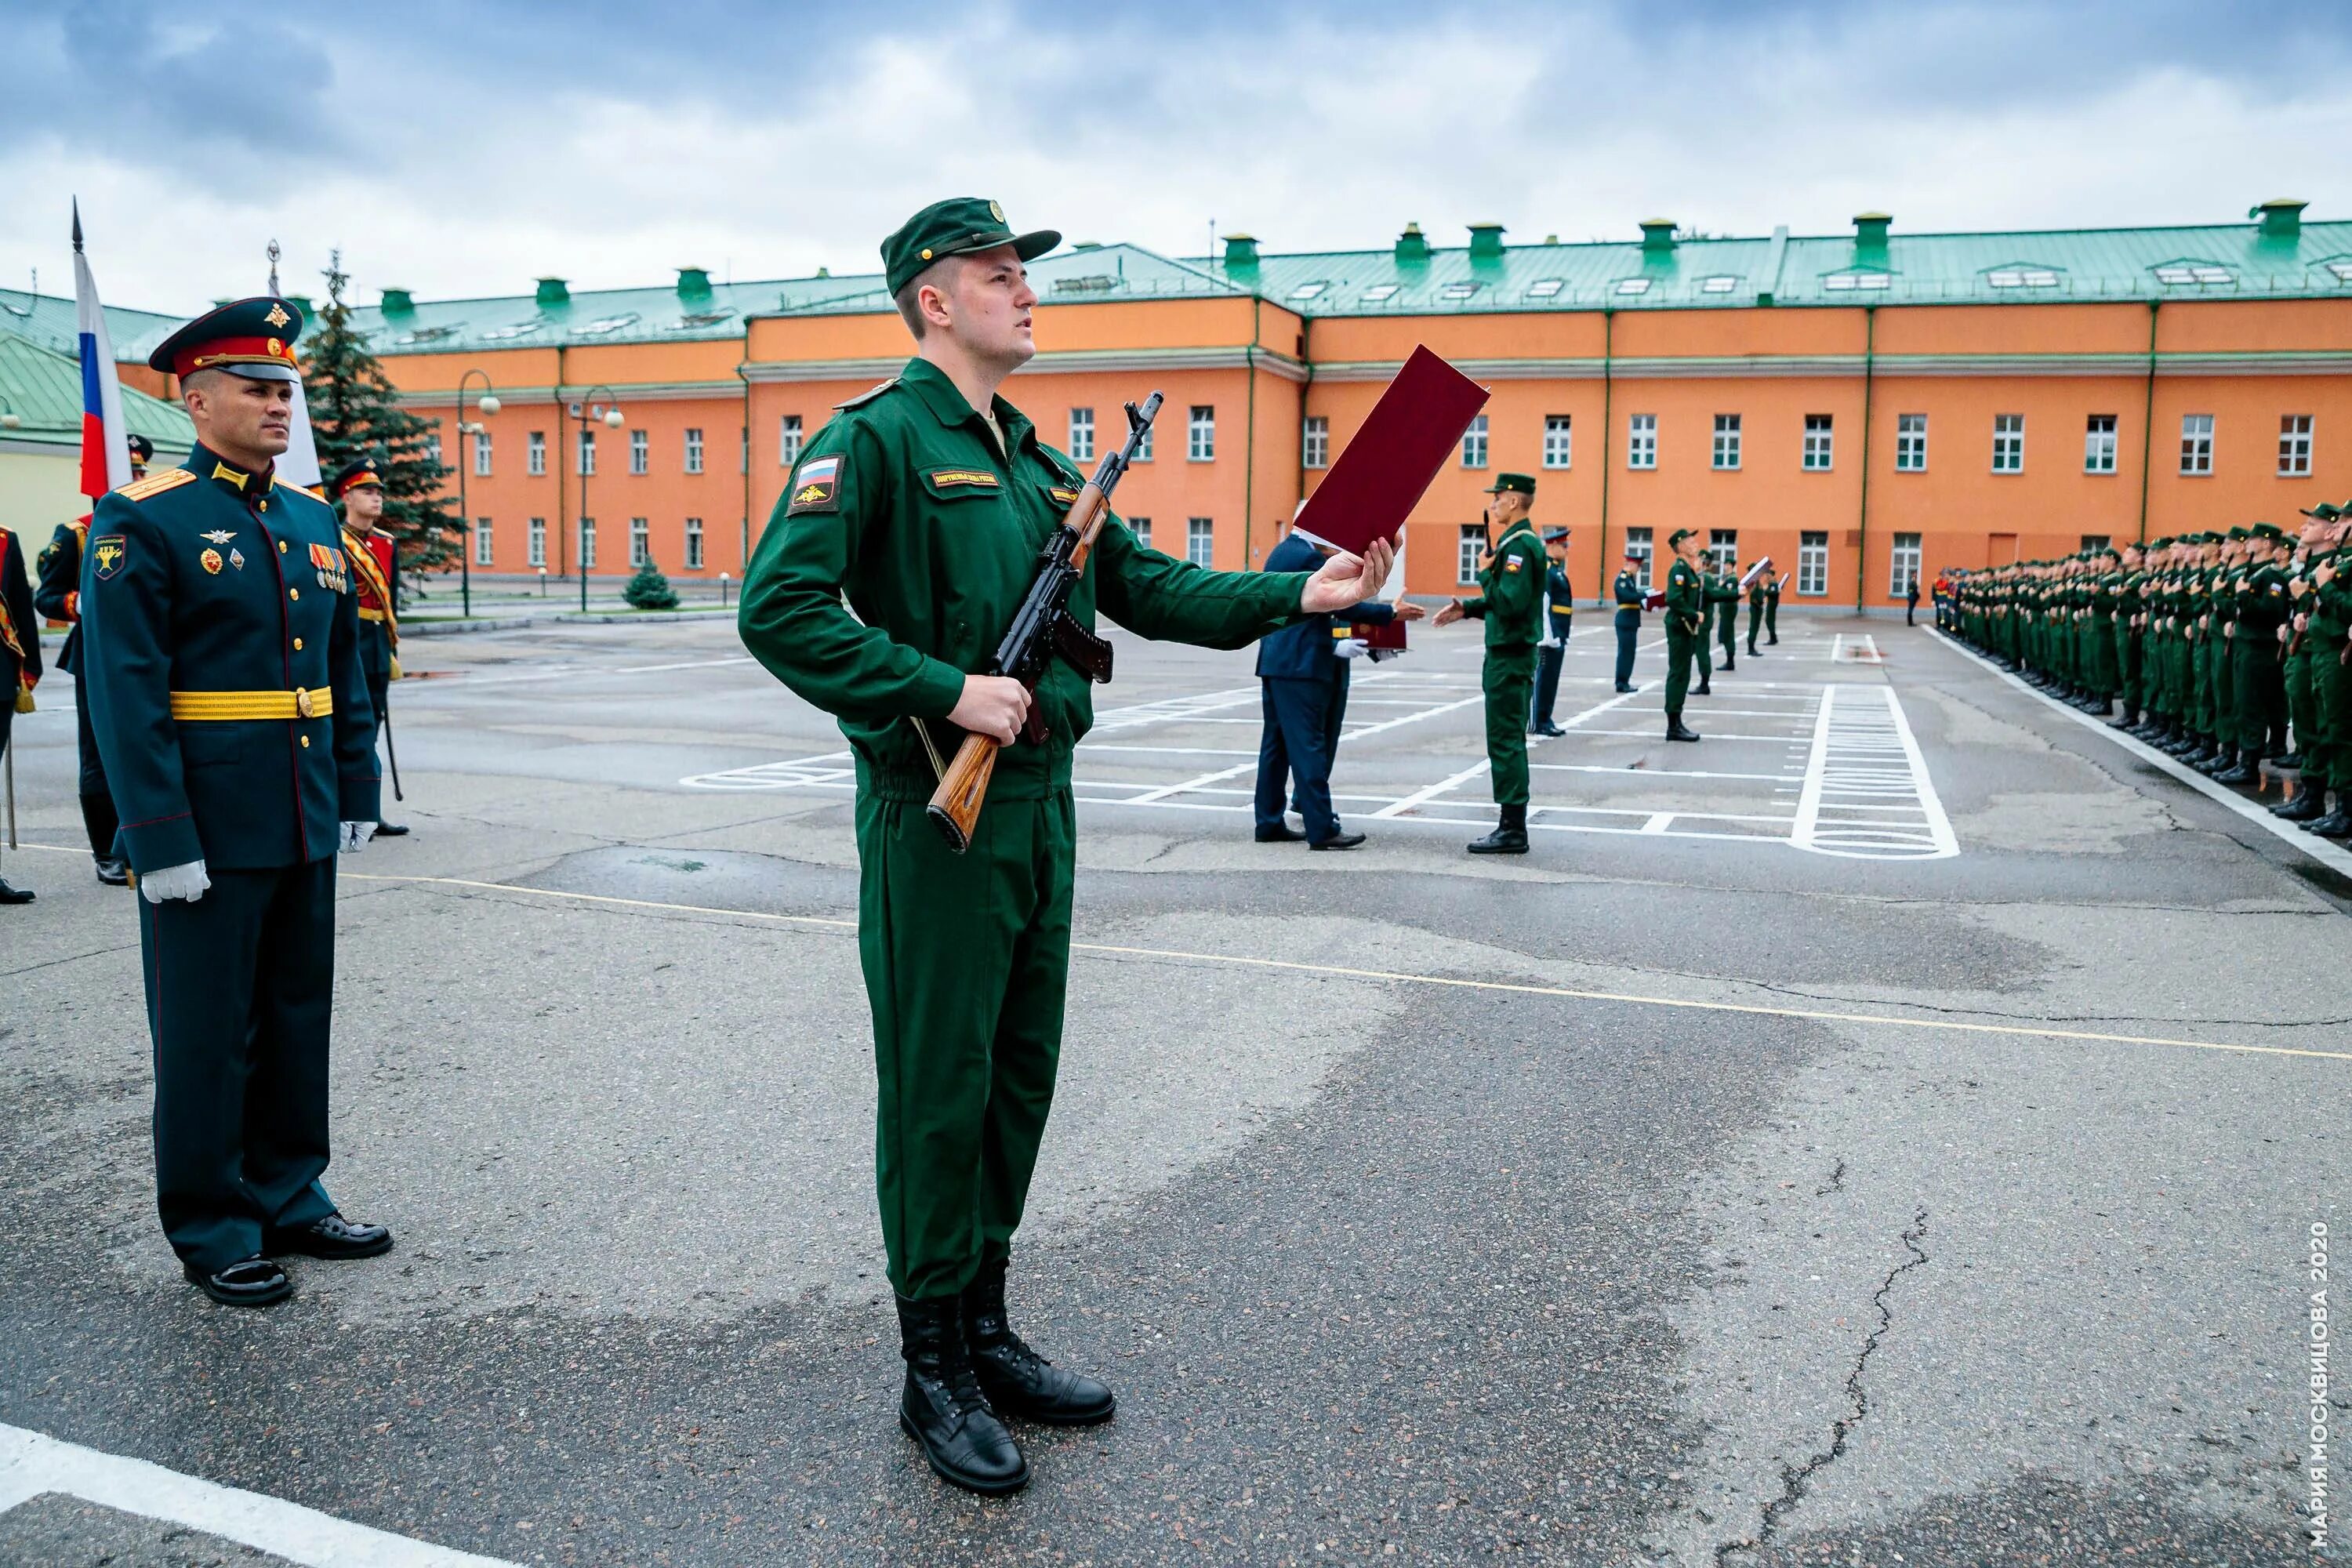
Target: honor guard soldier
1510,601
359,487
904,543
20,667
1686,627
220,646
1627,592
1559,613
59,597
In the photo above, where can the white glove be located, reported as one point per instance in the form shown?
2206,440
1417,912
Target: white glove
1351,647
356,834
187,881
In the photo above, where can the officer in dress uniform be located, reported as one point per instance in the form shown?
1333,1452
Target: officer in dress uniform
1510,601
20,659
1627,591
1560,614
1685,610
903,544
359,486
220,642
59,597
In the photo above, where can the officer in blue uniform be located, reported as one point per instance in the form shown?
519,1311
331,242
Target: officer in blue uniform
1627,592
1559,612
220,642
1304,684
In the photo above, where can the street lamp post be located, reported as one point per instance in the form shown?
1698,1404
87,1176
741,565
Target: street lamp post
589,407
490,404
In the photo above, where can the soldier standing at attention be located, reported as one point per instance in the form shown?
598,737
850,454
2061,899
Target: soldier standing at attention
1560,613
20,659
1723,594
1755,613
222,651
59,597
1627,592
1772,611
1510,601
359,487
1686,627
922,507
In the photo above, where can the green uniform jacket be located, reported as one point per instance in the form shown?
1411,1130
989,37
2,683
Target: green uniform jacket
224,582
1685,599
1511,589
903,506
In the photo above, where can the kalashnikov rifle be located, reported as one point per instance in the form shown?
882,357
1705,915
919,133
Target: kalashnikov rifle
1041,628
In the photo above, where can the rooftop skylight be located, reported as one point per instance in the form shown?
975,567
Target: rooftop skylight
2194,274
1545,288
1633,286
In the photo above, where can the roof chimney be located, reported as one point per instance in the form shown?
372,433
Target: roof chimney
551,291
396,301
2282,217
1657,233
1241,250
694,282
1485,241
1412,245
1870,230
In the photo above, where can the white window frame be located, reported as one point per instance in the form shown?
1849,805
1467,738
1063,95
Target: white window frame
1725,450
433,446
641,542
1639,544
1200,540
1314,442
2295,446
1143,443
1474,443
482,454
482,551
1910,443
1559,440
694,545
1723,548
2100,443
1820,443
585,455
2008,442
640,451
1642,441
1201,434
1468,546
587,544
2196,446
1141,528
694,448
1813,561
788,440
535,540
1082,435
535,460
1904,553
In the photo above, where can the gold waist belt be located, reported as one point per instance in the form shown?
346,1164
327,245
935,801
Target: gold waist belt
219,707
367,615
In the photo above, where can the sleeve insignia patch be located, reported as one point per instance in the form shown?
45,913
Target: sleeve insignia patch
1511,563
107,555
961,478
816,486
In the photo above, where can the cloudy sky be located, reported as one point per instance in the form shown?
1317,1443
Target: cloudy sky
466,148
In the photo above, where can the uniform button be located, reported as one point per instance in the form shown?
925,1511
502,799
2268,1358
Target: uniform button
281,547
293,593
306,743
297,645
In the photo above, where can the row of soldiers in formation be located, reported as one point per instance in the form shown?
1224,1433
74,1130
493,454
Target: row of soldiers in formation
2226,649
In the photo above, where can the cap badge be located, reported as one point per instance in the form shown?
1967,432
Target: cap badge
996,212
277,316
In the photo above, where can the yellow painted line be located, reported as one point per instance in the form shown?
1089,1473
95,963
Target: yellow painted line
1405,977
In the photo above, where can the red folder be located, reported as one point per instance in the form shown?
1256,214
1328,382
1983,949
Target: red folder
1389,633
1380,478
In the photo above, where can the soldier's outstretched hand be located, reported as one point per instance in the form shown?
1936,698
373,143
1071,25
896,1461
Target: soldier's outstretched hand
1344,580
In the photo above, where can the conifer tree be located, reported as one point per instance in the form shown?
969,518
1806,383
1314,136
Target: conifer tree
649,590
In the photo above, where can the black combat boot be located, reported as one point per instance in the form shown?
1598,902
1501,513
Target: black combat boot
1017,1380
1510,834
2334,824
2220,760
2308,805
943,1409
2286,760
2127,720
2240,772
1677,731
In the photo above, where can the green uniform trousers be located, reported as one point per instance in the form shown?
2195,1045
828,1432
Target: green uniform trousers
1755,622
1703,651
967,959
2331,689
2296,675
240,985
1682,648
1727,629
2125,643
1771,618
1508,680
2259,700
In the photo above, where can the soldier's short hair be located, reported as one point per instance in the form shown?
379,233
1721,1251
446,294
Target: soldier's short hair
909,310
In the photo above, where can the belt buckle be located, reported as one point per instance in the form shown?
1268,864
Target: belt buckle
303,703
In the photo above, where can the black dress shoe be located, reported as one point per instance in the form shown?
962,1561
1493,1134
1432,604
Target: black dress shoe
1702,689
1629,689
1771,642
1017,1380
392,830
1336,841
1549,730
1729,665
333,1238
1510,834
2241,775
1280,833
254,1282
2334,824
1675,731
9,895
2306,806
113,872
942,1408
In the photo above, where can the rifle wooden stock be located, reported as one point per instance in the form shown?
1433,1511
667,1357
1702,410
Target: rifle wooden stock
955,806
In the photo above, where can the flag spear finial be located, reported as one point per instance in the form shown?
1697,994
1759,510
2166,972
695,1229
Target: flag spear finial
77,220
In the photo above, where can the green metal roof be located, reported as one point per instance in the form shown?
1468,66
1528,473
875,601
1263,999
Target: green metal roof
594,316
42,388
1083,274
46,320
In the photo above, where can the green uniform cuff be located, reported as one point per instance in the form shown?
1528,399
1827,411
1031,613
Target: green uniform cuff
938,688
165,842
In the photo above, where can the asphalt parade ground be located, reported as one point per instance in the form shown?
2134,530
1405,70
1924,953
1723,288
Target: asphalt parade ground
1892,1129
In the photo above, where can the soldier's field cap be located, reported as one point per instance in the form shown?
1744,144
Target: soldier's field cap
354,475
2236,533
2269,530
2326,512
251,338
142,448
957,226
1678,535
1516,484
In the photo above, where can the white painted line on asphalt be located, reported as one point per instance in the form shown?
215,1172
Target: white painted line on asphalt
1864,757
460,681
1448,785
2332,856
32,1464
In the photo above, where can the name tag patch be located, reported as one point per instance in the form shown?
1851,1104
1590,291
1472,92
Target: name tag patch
961,480
816,486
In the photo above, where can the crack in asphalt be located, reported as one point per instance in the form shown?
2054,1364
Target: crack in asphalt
68,958
1837,1180
1796,1479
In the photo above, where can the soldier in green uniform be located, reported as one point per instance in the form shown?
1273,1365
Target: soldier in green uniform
1627,592
1772,611
221,649
900,549
2257,677
2123,589
1723,597
2295,665
1510,601
1756,592
2327,634
1685,610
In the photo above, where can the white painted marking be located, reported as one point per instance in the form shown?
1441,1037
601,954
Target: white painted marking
1865,759
32,1463
1446,785
461,681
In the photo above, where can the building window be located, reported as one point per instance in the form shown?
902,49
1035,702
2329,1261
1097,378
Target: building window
1906,567
640,543
743,449
1910,443
1726,440
1468,547
536,458
1314,443
587,452
2295,446
2197,443
640,451
787,441
482,456
1082,435
2008,442
587,543
537,553
1202,445
2099,445
1141,528
1723,548
1642,441
481,542
432,448
1201,542
1818,436
1557,448
693,449
1474,443
694,545
1143,443
1637,545
2095,540
1813,563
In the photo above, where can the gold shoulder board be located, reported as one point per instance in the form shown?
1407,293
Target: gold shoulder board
156,484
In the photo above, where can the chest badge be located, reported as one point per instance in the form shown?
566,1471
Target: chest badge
211,562
221,536
237,559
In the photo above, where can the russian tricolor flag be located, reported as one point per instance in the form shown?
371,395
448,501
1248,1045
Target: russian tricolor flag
105,449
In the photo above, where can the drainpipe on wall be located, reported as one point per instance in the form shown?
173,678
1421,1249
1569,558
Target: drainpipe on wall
562,535
1249,439
747,459
1306,356
1608,388
1862,529
2148,418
